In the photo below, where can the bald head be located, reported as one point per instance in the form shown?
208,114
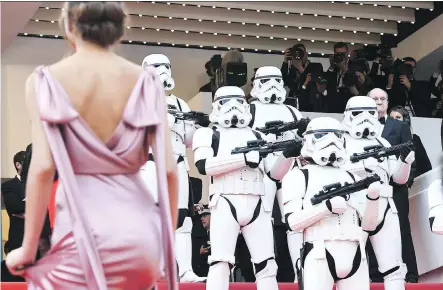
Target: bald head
381,99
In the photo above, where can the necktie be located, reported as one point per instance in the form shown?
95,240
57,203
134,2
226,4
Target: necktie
382,120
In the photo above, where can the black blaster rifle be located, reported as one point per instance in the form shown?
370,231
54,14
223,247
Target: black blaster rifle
179,115
336,189
264,147
278,127
378,151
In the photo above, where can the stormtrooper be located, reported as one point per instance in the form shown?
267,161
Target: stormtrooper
334,241
268,95
363,129
181,138
236,191
435,200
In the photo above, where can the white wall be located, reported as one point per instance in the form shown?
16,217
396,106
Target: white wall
25,54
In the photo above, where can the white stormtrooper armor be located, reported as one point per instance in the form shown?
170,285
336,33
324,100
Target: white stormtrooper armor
435,200
236,191
268,95
360,122
334,241
181,137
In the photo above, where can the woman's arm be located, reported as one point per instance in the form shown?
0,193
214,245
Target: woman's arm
171,175
40,176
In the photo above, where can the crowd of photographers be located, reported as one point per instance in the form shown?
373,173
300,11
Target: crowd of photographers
350,73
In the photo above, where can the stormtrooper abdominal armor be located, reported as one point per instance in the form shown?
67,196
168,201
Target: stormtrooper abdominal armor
360,118
324,142
268,85
230,108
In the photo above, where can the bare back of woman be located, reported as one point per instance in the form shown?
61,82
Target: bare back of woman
107,81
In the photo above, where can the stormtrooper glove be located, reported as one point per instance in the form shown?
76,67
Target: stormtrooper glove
407,155
293,151
252,159
203,121
302,125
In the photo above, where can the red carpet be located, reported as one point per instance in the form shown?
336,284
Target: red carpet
248,286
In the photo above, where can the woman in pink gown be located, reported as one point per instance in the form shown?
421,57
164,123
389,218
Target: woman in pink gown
94,117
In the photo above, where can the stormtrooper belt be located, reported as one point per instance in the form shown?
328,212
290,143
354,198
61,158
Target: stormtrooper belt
318,236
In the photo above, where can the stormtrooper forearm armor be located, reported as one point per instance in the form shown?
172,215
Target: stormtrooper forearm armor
293,191
281,167
206,162
400,174
371,213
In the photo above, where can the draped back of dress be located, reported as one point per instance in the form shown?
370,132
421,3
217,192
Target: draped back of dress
106,217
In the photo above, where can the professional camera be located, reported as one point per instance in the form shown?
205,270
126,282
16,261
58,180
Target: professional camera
297,53
400,68
321,80
350,77
338,57
231,74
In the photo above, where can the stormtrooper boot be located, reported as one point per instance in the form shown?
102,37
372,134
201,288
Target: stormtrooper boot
183,254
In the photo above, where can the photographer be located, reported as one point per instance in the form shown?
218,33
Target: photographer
295,70
437,91
356,80
201,245
337,91
407,92
211,66
317,97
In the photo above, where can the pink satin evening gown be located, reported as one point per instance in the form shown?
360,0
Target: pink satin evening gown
109,233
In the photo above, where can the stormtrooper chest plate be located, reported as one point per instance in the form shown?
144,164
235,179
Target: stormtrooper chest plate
273,112
370,166
244,180
335,227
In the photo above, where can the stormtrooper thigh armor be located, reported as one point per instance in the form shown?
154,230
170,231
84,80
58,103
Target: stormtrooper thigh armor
245,213
435,200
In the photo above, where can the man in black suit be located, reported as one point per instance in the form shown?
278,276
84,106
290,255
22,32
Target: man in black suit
13,192
396,132
299,74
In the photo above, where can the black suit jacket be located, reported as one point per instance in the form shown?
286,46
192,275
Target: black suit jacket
295,82
13,192
396,132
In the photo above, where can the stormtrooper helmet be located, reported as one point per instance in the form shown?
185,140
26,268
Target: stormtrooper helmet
229,108
324,142
360,118
162,67
268,85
